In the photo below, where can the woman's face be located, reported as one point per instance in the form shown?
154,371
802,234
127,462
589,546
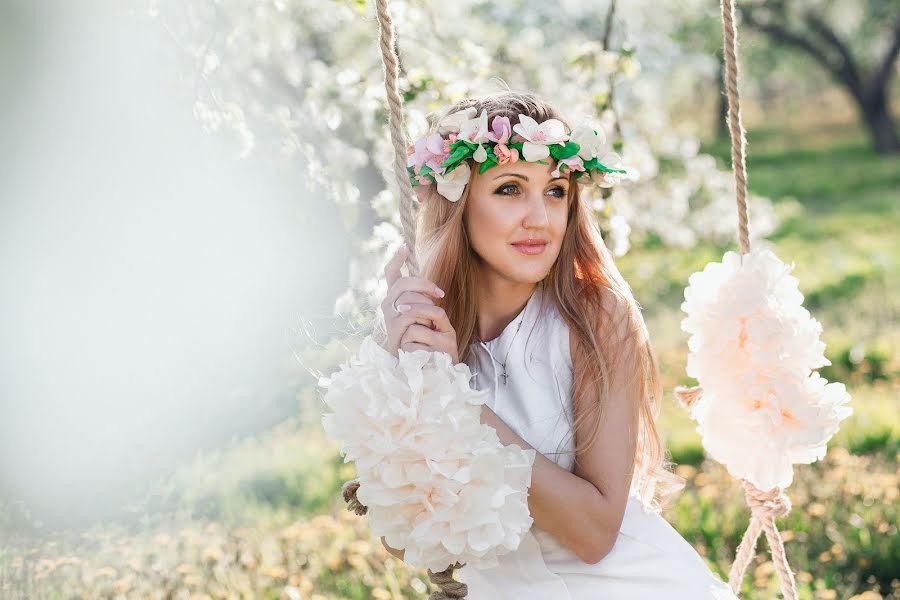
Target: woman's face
513,203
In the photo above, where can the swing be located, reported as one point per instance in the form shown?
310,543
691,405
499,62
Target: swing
759,407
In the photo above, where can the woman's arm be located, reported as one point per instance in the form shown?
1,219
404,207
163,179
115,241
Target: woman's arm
564,504
584,509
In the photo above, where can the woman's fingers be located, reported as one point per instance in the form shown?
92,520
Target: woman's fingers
412,298
436,314
415,284
392,268
420,337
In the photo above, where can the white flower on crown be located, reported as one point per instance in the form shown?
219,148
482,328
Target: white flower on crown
452,122
590,144
452,185
538,136
476,131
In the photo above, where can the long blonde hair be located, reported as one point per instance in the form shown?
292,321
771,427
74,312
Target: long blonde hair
583,281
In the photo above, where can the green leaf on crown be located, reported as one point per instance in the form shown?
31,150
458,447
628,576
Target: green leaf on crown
490,162
560,151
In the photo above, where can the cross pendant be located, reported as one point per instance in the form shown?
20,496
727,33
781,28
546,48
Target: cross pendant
503,374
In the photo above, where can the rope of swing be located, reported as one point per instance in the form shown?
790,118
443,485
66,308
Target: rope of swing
450,589
765,506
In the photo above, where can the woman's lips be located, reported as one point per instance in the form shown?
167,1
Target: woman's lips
530,248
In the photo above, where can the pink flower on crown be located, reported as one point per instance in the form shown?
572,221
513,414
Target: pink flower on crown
428,150
505,154
500,130
574,162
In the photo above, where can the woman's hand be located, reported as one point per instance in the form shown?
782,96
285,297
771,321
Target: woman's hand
419,324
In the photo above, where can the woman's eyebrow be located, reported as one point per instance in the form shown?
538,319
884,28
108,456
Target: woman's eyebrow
523,176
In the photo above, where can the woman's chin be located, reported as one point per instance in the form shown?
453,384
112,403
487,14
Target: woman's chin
528,274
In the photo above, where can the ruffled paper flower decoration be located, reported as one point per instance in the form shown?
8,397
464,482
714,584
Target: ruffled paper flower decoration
443,160
752,348
437,482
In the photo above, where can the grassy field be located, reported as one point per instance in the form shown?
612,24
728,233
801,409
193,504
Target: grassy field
263,519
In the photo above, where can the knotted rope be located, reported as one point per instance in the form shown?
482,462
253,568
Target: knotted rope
450,589
765,507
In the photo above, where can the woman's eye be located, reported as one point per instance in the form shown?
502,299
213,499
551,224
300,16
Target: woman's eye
562,192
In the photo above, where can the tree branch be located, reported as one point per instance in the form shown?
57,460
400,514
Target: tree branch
886,70
785,36
847,65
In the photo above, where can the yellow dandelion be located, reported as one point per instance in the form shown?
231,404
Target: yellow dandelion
211,554
273,572
123,585
356,561
764,570
333,561
825,556
686,471
816,509
104,572
838,454
709,491
46,564
291,532
248,560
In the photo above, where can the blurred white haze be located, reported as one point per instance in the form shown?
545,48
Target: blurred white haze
150,279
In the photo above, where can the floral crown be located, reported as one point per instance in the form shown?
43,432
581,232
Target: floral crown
439,159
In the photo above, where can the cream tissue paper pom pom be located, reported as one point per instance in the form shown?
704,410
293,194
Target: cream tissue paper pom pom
752,348
437,482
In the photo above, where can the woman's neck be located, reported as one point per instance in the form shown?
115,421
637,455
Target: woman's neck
498,303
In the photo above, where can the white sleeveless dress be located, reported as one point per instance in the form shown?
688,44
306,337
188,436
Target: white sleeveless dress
649,560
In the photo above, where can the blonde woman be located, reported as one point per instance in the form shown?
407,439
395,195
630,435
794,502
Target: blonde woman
518,284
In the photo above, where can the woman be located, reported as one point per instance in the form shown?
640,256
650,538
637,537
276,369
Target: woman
518,284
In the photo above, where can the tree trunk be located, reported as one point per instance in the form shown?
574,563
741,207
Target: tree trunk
879,121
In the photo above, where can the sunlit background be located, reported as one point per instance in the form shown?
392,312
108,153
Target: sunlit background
196,204
151,280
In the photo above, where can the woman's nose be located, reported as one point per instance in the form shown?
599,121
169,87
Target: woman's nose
537,211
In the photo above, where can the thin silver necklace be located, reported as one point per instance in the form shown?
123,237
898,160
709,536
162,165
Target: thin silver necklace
505,375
